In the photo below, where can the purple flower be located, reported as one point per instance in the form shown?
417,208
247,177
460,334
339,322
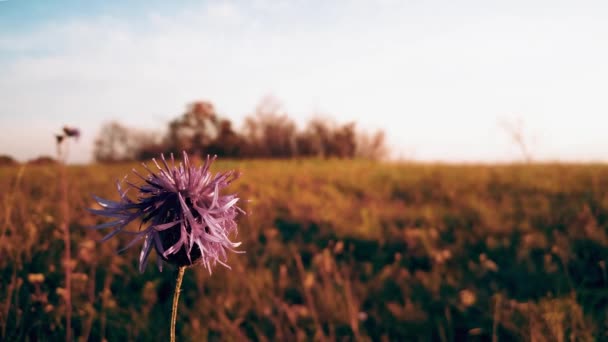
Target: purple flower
187,219
71,132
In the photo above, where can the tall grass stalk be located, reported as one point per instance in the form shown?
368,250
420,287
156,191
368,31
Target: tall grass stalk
178,286
65,227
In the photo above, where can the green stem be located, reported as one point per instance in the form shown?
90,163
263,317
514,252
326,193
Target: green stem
178,285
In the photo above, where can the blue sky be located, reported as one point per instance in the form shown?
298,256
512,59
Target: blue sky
438,76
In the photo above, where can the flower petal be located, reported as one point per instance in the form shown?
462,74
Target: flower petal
145,252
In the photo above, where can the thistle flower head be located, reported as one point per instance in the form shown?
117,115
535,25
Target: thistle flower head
186,219
72,132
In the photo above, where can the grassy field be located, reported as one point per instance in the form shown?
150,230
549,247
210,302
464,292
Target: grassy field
335,250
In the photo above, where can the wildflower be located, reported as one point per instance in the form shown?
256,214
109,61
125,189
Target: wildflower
187,219
71,132
35,278
467,297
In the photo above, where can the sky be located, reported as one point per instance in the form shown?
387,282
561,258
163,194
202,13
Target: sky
442,78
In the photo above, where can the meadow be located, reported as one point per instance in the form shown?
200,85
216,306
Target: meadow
335,250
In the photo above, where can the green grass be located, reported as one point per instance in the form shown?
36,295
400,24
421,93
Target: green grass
335,250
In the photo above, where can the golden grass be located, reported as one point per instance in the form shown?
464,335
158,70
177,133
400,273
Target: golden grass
335,250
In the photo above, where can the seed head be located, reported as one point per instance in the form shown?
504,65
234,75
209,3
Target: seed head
187,220
71,132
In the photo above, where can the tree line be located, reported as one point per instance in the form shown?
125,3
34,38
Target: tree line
267,133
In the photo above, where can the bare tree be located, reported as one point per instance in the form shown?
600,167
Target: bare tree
228,142
270,132
343,142
111,144
195,130
371,146
515,129
117,142
315,139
